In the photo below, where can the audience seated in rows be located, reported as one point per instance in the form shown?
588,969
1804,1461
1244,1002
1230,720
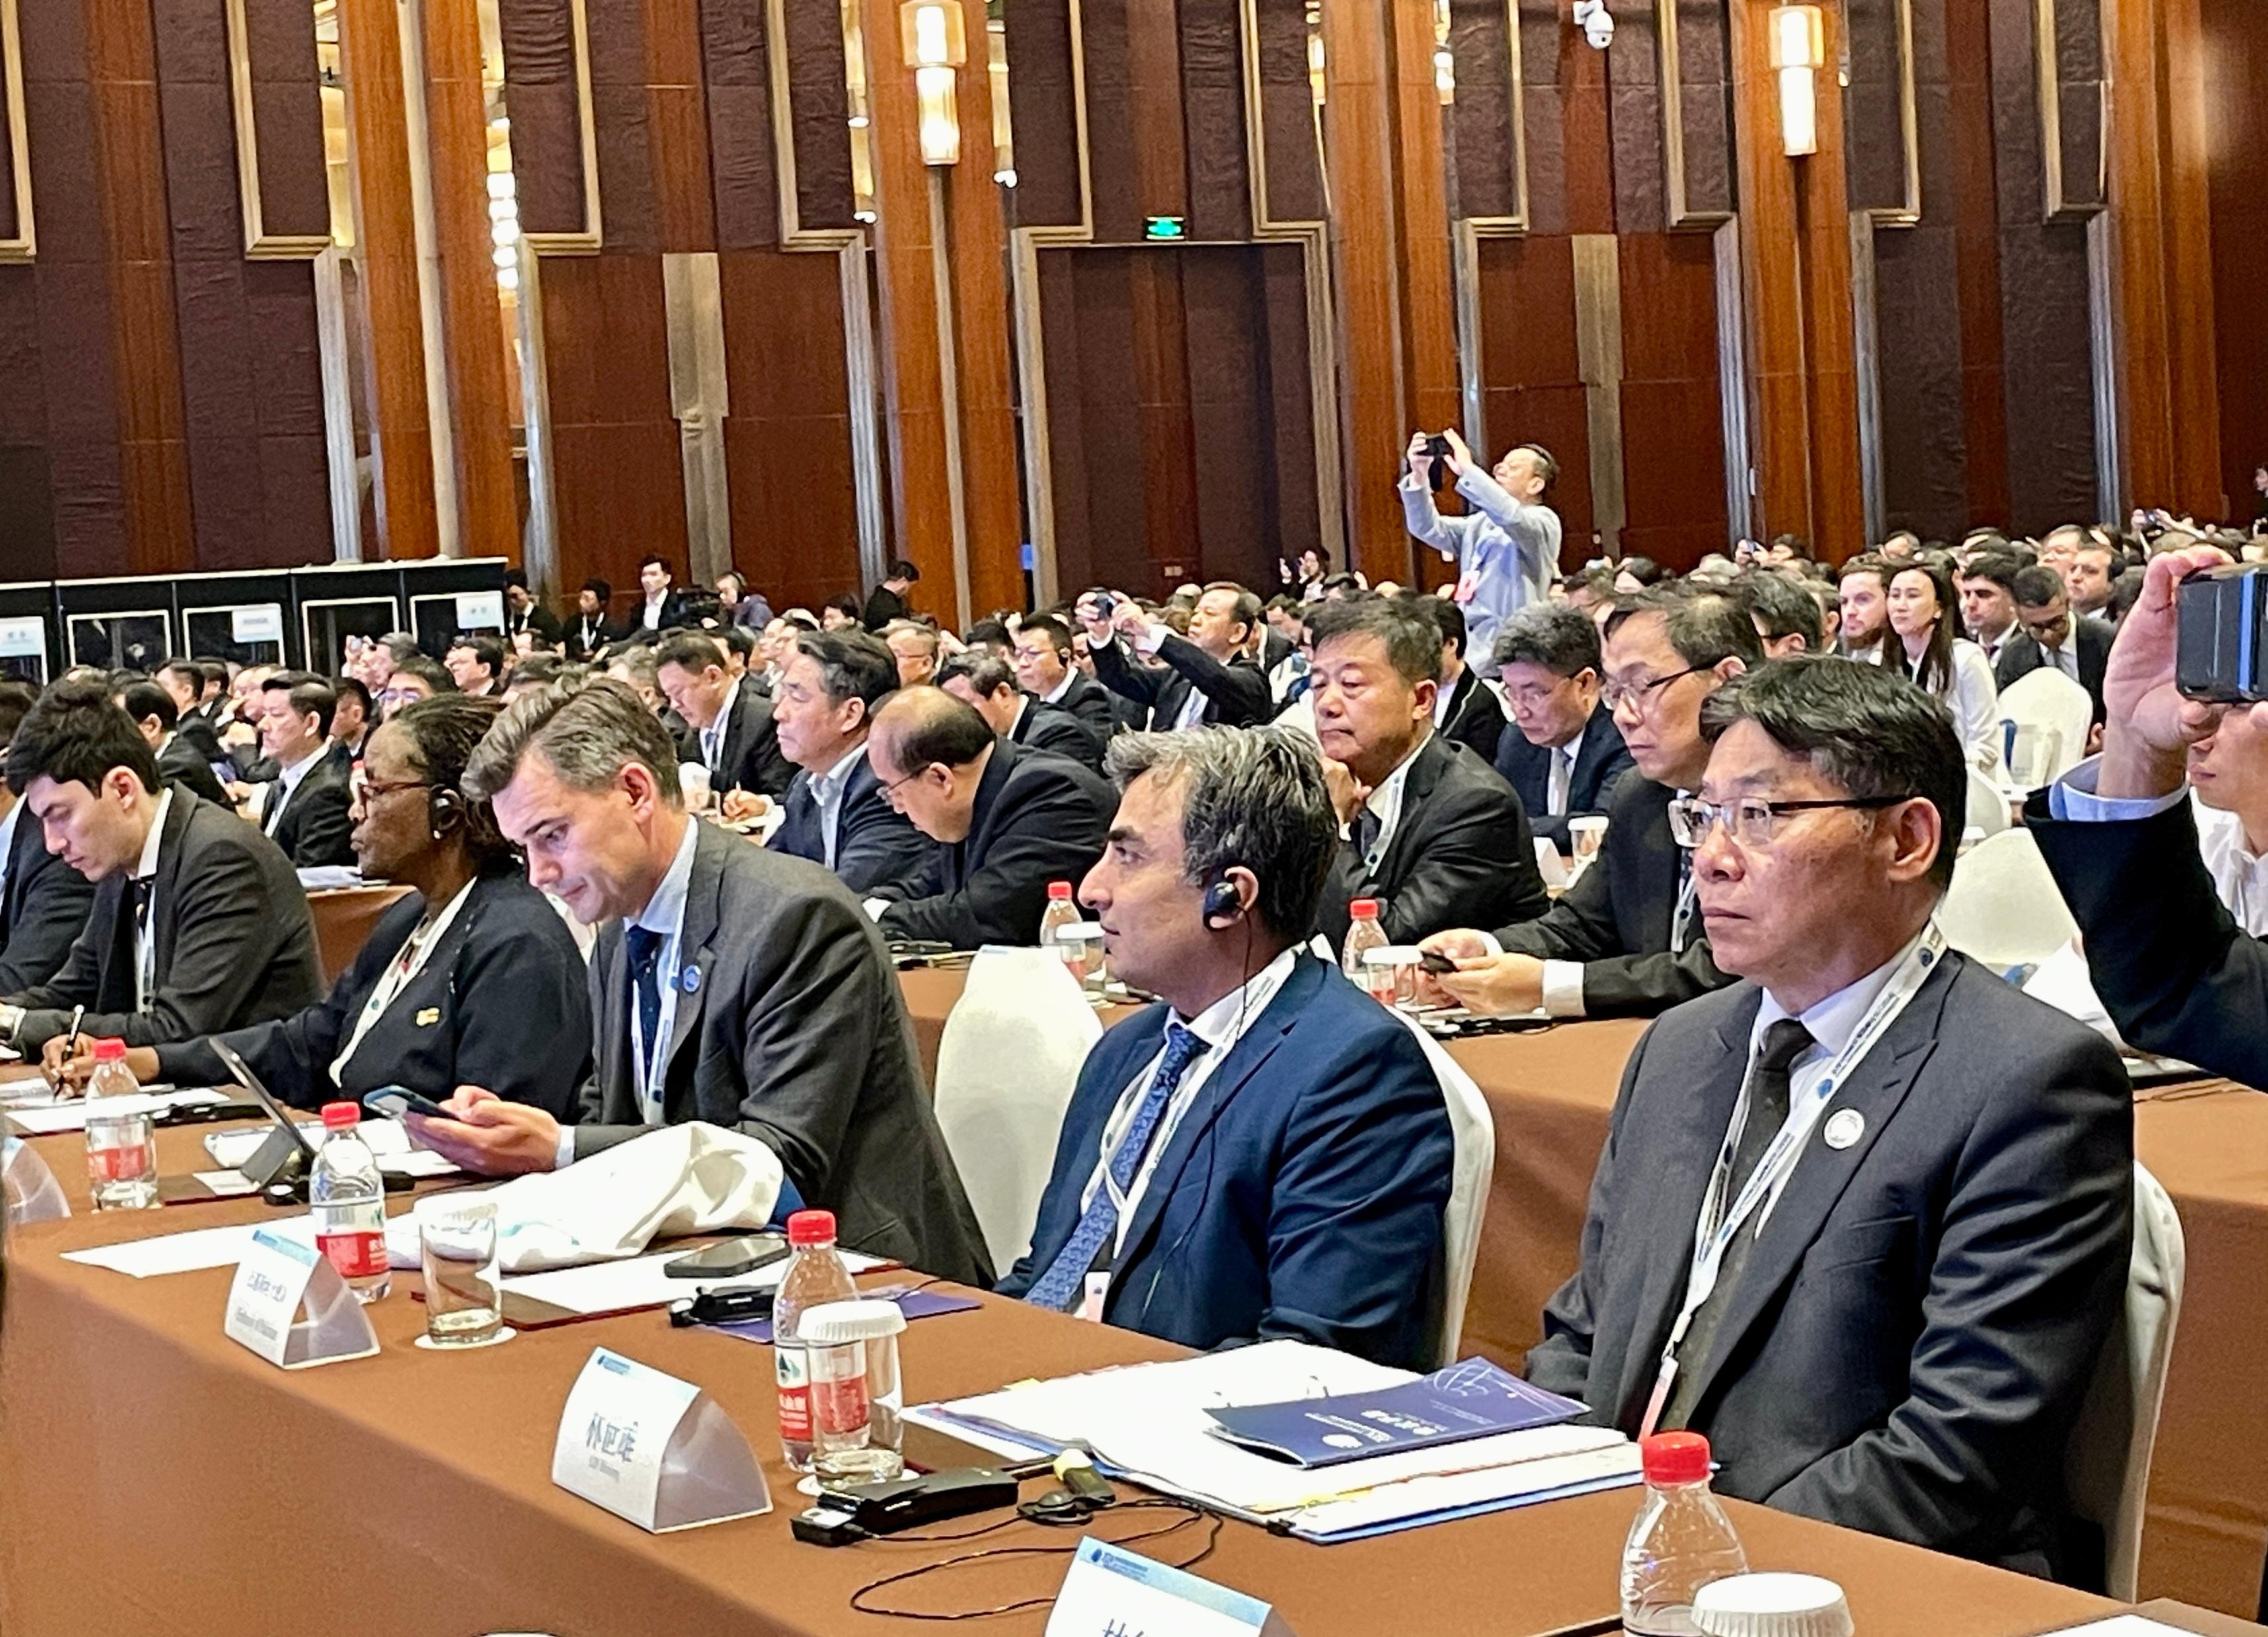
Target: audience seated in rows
838,814
1566,754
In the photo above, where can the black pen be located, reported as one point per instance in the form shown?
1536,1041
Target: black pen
70,1046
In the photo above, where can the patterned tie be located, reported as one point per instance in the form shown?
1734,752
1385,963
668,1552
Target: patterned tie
644,948
1768,1094
1367,825
1061,1286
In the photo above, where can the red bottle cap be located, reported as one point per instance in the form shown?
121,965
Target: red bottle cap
110,1051
1363,909
1058,890
341,1117
1675,1458
811,1227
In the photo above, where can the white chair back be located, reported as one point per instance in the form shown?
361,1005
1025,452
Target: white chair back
1988,805
1473,1130
1006,1064
2004,908
2107,1465
2050,703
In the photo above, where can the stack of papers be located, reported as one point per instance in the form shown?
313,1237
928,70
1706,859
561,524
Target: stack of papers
193,1251
45,1116
1154,1424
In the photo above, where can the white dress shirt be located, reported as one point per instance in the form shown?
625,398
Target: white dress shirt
288,780
1385,803
145,939
712,737
1054,695
827,791
649,611
2240,876
1443,697
1220,1025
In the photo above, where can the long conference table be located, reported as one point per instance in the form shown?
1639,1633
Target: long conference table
1552,1090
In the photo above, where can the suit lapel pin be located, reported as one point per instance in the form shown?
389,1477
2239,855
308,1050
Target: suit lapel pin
690,980
1845,1127
427,1016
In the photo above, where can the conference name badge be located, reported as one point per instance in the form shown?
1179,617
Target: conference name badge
1111,1592
653,1450
278,1276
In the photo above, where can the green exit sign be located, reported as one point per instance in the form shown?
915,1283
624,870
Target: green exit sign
1165,227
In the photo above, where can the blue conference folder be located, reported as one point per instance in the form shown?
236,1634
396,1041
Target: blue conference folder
1471,1400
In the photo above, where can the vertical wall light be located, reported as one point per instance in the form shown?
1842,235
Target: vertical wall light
936,44
1799,51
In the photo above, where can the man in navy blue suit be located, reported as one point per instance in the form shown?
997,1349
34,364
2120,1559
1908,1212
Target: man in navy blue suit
1267,1154
1567,755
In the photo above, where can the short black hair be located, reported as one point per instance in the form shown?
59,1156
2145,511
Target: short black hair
989,634
76,733
690,652
844,602
1447,618
1866,728
654,559
1645,570
141,699
1705,626
16,702
486,650
431,672
1412,642
599,589
309,695
2036,586
852,665
1783,606
1049,626
1545,461
1998,567
739,639
342,686
515,578
986,672
1563,640
216,673
189,669
904,569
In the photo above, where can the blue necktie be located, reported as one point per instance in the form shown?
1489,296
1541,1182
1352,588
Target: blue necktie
644,949
1063,1282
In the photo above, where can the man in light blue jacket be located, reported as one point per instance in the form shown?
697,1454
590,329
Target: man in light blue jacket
1507,549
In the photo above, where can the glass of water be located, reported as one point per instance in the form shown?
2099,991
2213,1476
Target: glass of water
457,1243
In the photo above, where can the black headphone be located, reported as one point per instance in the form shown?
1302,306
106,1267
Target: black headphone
1221,899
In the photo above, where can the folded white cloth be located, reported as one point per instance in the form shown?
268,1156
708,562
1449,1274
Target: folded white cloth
696,1178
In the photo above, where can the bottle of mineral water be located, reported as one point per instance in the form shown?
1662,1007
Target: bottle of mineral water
122,1144
1363,936
347,1195
816,1275
1061,912
1680,1541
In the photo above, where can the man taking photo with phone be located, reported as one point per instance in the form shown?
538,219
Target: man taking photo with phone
1506,547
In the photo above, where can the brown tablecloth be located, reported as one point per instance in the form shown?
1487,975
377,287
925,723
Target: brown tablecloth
1551,1092
157,1478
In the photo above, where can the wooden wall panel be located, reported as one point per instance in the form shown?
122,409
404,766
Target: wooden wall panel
1968,170
2235,39
1534,391
1671,420
540,86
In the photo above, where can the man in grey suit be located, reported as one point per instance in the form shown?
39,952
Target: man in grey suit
730,984
1865,1219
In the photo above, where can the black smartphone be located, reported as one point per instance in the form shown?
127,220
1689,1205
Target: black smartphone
1434,961
730,1259
391,1103
2222,624
1105,605
1438,448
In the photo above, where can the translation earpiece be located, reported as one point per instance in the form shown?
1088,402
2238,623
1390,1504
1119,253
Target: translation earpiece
1221,900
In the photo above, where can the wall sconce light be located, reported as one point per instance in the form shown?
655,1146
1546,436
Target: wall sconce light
936,44
1799,51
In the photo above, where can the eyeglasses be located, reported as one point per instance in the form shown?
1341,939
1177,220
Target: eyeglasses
1753,821
890,790
1639,695
369,790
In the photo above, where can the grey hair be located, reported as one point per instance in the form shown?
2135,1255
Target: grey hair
588,735
1563,640
1250,796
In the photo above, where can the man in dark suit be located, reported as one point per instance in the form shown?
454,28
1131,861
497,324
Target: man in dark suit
523,613
1266,1154
1465,707
887,601
590,630
731,984
1204,679
2053,636
183,681
1566,754
477,665
197,923
1043,666
1431,832
662,606
837,815
988,684
729,726
43,901
1893,1327
304,810
1624,940
1005,822
151,709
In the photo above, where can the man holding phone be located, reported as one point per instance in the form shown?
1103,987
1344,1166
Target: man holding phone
1507,549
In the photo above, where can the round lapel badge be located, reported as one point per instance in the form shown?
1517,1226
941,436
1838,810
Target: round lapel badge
690,980
1845,1127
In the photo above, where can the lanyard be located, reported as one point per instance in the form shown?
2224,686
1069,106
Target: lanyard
1719,1225
415,951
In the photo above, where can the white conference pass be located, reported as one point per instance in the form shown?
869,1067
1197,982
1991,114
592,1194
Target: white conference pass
652,1450
1110,1592
278,1274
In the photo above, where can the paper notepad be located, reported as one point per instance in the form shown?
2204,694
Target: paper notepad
190,1252
58,1114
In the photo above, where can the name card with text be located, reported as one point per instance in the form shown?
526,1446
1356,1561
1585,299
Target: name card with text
277,1277
653,1450
1111,1592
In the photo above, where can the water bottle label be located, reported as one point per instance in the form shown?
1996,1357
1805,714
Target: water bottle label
126,1162
793,1375
354,1255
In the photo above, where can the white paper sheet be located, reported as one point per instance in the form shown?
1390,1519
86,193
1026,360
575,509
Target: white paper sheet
189,1252
2121,1626
70,1115
615,1286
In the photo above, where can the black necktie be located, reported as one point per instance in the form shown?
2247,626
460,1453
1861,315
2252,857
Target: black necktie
644,949
803,816
1768,1094
145,886
1367,827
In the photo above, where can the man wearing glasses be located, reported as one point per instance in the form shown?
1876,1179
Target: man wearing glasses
1625,941
1568,755
1871,1209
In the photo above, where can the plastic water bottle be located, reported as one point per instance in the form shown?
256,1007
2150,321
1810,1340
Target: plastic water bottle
349,1198
816,1275
1680,1541
1365,935
121,1148
1061,912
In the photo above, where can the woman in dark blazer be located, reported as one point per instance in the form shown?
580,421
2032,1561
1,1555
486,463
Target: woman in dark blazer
473,978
